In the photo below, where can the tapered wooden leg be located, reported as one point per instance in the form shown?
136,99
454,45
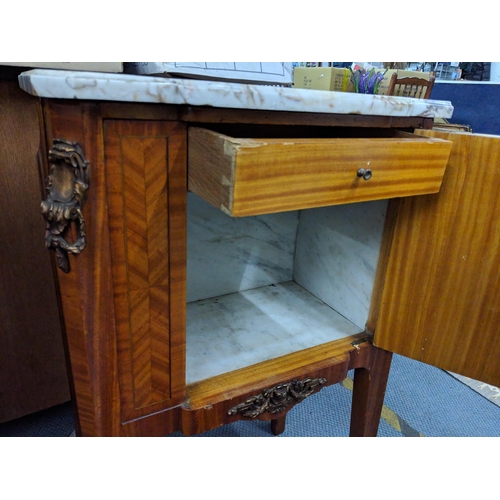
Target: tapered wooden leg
278,425
370,382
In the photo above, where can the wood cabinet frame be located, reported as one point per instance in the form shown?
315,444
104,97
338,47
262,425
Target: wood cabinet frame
110,399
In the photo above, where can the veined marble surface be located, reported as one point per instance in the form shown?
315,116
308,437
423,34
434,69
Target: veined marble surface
332,252
227,254
337,254
241,329
136,88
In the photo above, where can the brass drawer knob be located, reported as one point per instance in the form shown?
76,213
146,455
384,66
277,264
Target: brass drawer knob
366,174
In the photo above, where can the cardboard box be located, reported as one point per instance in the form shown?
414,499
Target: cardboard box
105,67
384,84
337,79
247,72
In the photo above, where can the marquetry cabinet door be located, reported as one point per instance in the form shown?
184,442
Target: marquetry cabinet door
145,165
441,298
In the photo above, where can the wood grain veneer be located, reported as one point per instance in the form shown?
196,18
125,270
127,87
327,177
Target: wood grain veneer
144,160
94,316
86,292
441,298
124,299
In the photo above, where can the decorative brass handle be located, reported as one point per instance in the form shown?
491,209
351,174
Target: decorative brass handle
67,186
366,174
276,399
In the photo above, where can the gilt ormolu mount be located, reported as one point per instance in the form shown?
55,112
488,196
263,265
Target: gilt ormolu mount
277,398
67,187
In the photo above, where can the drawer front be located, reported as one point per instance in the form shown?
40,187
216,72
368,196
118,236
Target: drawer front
246,177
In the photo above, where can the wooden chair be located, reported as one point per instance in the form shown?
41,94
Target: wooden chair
418,88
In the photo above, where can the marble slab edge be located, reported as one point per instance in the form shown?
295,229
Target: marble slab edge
62,84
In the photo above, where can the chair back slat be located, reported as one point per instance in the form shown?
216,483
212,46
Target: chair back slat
418,88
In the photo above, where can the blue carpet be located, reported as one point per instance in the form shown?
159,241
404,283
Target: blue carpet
423,400
53,422
433,403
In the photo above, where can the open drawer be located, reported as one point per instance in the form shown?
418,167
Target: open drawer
253,176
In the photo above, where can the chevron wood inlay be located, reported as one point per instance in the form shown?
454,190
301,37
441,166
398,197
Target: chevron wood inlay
138,162
145,193
136,236
156,216
140,337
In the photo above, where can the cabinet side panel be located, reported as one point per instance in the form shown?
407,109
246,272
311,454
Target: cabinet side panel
441,299
86,292
138,164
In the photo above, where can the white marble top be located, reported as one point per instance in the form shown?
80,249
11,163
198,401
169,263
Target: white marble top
148,89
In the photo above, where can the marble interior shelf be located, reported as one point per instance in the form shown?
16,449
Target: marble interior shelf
148,89
241,329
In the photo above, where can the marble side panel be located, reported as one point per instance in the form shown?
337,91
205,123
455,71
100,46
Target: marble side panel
137,88
227,254
337,254
241,329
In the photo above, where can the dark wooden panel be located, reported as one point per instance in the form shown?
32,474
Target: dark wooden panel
32,362
219,115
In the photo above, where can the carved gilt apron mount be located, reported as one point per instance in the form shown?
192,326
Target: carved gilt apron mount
276,399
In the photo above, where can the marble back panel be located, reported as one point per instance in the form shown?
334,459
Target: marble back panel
227,255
